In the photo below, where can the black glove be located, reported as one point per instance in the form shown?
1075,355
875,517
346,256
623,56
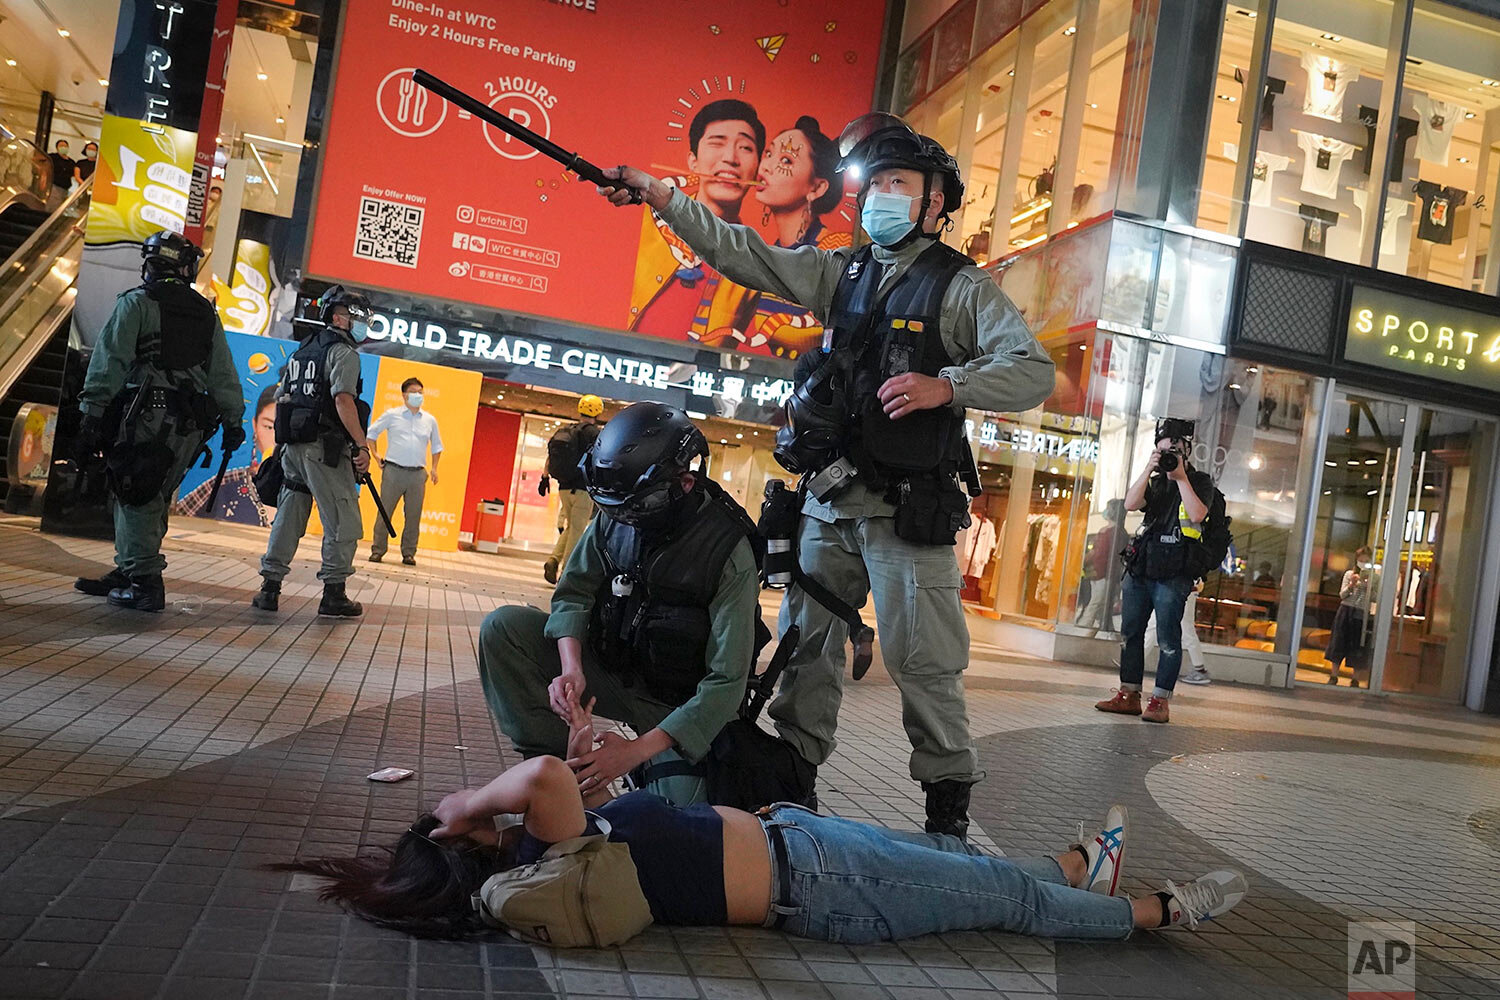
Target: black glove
543,487
234,436
87,441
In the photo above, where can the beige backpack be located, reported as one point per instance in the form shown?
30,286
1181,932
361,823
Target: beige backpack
582,893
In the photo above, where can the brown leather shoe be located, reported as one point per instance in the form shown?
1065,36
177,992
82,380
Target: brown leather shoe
1156,711
1123,703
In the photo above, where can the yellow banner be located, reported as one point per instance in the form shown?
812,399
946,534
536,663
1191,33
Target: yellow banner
246,306
140,183
451,396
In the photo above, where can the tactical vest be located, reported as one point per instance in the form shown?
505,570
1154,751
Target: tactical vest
885,338
304,406
185,339
650,621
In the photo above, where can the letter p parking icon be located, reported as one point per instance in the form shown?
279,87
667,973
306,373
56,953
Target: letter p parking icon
1382,961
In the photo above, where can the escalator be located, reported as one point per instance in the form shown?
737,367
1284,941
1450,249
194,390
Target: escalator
38,283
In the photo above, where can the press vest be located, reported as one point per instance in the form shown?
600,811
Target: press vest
883,338
657,631
304,407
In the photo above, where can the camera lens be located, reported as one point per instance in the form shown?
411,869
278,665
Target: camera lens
1168,461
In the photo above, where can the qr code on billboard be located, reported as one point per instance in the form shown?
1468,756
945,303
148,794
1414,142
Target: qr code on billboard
388,232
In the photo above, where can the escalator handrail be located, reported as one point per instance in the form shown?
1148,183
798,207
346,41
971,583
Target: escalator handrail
25,248
62,245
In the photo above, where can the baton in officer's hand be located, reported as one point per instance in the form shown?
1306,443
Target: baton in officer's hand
570,161
363,478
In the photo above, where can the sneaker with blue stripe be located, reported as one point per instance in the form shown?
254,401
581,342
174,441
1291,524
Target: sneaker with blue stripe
1106,853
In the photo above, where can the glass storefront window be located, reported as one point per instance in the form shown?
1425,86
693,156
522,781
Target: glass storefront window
1094,179
1310,183
1220,188
1438,205
996,71
1049,37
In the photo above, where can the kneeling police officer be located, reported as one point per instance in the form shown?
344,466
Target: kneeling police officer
159,382
320,434
655,613
914,334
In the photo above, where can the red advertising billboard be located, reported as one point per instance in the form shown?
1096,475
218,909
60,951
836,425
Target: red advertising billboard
734,103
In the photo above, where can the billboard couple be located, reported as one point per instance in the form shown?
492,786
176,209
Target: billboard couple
736,170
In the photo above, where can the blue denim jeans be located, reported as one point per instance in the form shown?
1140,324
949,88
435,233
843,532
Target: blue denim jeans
1138,599
855,884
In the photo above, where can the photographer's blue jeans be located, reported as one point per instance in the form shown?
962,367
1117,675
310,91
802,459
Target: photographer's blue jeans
1138,599
856,884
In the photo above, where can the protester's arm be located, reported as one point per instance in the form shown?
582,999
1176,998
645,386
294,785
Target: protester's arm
1193,505
1135,497
805,275
114,354
543,788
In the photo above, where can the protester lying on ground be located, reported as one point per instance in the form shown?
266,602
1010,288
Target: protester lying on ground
458,869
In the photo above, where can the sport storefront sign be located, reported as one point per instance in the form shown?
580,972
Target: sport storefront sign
1417,337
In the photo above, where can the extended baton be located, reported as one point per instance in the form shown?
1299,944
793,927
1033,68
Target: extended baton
213,494
570,161
364,479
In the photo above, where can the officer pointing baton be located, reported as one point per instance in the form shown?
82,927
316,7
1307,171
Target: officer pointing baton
916,333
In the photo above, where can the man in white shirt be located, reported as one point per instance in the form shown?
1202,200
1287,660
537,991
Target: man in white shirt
409,434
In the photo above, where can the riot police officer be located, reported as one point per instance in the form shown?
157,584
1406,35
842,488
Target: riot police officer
915,333
654,615
159,381
320,432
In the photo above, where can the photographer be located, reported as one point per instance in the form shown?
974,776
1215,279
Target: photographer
1163,563
915,333
655,613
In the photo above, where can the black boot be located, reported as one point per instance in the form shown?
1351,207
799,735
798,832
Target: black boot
948,807
143,593
336,604
269,596
103,585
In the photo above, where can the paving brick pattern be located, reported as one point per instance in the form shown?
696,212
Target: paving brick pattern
150,764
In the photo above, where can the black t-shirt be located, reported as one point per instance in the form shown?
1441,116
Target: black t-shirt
1435,223
1406,128
1274,86
678,855
1163,498
86,168
62,169
1315,225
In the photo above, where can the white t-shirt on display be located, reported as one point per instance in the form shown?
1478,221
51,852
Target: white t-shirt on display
1435,122
1320,171
1395,211
1327,82
1266,164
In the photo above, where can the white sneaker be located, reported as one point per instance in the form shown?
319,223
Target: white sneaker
1198,675
1206,898
1106,853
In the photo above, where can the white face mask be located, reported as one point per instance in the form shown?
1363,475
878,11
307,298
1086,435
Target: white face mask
414,400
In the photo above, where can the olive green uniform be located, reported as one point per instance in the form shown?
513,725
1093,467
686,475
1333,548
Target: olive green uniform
518,659
332,487
849,544
117,365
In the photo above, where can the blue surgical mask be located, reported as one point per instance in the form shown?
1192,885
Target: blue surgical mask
414,399
359,330
887,217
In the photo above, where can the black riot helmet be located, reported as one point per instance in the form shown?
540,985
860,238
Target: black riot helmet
334,296
166,254
634,468
882,141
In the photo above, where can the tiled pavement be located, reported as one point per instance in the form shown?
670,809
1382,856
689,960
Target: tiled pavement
150,764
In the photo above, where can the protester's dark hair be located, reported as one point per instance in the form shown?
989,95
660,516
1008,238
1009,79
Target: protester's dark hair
421,886
825,158
61,142
413,381
727,110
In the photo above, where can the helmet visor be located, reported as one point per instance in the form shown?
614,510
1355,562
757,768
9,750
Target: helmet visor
865,126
